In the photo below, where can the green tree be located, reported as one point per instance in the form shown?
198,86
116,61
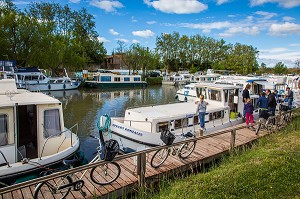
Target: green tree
280,68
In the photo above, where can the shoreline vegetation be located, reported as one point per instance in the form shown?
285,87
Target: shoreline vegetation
269,168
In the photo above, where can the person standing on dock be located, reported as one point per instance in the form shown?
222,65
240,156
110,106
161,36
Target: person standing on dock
246,95
271,101
249,113
201,110
262,103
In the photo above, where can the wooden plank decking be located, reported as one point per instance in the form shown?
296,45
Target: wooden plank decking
206,150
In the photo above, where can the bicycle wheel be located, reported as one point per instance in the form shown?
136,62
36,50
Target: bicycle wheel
186,149
159,157
105,174
50,189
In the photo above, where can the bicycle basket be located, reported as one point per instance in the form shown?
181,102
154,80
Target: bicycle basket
112,149
167,137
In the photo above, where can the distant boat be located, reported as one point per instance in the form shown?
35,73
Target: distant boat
33,79
32,131
106,79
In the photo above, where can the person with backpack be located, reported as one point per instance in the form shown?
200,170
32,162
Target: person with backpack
271,102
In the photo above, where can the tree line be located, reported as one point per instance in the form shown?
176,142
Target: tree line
50,35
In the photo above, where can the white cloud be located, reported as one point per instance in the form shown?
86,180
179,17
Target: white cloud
287,18
151,22
123,40
134,41
295,44
113,32
107,5
74,1
143,33
102,39
284,29
21,2
133,19
220,2
282,3
177,6
236,30
266,15
207,27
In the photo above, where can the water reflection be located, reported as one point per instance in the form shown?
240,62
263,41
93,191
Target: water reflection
85,106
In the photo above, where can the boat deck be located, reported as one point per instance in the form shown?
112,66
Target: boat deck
207,150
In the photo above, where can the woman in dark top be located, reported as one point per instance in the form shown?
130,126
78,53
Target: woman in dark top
246,95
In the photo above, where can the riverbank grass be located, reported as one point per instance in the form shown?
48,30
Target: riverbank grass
270,169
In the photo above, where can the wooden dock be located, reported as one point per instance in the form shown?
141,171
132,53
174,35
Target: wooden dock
133,174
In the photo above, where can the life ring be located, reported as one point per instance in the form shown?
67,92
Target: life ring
64,86
49,86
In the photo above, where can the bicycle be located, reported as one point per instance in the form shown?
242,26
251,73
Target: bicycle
266,120
285,116
101,175
183,152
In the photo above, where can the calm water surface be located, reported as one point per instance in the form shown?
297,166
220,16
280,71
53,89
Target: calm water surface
85,106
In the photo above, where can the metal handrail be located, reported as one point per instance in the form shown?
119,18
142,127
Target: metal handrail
5,159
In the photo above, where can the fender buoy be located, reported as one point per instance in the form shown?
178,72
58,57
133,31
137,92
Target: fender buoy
64,86
49,86
185,99
176,96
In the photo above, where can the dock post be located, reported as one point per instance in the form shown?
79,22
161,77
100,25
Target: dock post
232,141
141,169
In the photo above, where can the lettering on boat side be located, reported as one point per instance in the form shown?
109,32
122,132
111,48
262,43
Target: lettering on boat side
126,129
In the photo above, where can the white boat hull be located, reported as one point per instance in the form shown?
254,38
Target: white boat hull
52,87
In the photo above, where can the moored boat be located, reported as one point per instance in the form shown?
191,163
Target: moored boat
143,126
111,80
32,131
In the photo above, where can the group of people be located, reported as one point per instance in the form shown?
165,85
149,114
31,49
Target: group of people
267,103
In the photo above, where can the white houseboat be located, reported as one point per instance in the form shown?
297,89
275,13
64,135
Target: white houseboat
33,79
32,131
143,126
111,80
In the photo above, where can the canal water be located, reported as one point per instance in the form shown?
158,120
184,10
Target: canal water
85,105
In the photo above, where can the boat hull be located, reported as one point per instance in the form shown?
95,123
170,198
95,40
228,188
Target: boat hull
52,87
114,85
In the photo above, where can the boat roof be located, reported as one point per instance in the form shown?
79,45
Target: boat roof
186,109
217,86
10,95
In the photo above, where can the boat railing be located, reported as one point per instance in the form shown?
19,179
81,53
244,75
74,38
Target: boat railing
75,125
8,165
139,106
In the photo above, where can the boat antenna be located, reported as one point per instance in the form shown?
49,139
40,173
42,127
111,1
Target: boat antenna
66,72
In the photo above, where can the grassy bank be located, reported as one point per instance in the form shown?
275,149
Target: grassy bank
270,169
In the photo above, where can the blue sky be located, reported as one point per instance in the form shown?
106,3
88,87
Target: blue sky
272,26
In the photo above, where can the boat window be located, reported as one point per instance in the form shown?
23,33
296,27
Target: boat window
216,115
117,79
3,129
136,79
105,79
162,126
126,79
181,123
201,91
214,95
226,95
52,123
